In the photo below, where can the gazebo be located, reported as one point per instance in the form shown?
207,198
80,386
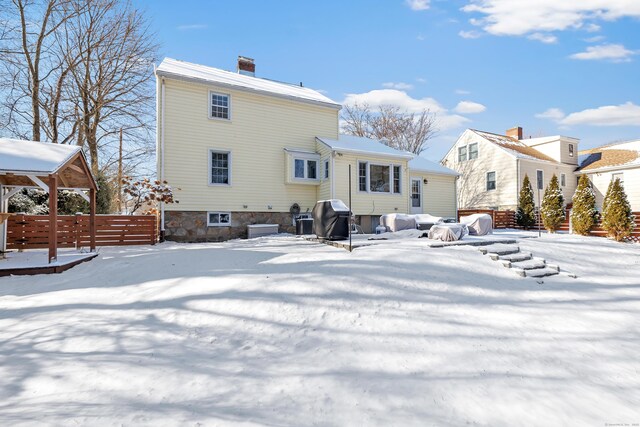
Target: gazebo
51,167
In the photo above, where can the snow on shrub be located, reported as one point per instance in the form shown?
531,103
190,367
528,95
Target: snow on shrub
617,218
552,208
583,213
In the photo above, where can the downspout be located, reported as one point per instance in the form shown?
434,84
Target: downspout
333,175
162,156
518,182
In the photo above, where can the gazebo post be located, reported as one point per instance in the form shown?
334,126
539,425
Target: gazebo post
92,219
53,218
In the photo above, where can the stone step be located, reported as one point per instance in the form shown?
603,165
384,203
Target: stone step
529,264
541,272
499,249
518,256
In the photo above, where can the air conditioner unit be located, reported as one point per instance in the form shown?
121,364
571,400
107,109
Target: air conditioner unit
298,216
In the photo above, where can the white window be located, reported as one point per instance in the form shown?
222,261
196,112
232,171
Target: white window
491,181
563,180
539,179
219,219
473,151
379,178
326,169
219,167
220,106
305,168
362,175
571,150
462,153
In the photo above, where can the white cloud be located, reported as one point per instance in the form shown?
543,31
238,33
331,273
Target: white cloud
418,4
609,115
469,107
594,39
398,85
400,99
544,38
517,18
610,52
420,37
191,27
462,92
554,114
592,28
627,114
469,34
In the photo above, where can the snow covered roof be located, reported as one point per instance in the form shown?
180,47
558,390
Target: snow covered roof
358,144
17,156
619,155
421,164
186,70
514,146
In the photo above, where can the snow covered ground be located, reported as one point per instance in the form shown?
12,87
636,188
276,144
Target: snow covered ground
278,331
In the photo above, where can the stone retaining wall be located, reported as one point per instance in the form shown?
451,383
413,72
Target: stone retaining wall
184,226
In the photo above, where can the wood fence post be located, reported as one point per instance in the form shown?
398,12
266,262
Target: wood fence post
78,227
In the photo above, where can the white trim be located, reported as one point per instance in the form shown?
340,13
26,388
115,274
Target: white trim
333,175
82,194
209,115
162,103
391,167
218,224
38,182
418,209
210,167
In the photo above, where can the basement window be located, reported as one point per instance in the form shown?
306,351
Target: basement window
219,219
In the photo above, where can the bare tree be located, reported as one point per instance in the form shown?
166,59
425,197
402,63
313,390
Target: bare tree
396,128
29,59
113,77
78,71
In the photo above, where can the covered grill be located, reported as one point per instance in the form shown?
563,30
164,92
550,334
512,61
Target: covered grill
331,220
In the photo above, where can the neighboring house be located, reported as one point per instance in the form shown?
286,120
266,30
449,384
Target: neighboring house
240,150
492,166
620,160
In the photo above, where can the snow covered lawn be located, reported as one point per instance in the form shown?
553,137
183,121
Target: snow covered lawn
278,331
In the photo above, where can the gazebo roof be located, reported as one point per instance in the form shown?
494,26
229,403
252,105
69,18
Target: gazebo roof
20,160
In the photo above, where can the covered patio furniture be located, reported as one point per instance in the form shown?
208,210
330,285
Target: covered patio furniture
478,224
448,232
331,220
426,221
398,222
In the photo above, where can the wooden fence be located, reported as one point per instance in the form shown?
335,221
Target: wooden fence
507,219
32,231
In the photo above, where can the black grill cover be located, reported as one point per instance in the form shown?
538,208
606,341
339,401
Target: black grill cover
331,220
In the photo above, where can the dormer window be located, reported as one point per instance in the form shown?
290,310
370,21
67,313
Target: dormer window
220,106
570,150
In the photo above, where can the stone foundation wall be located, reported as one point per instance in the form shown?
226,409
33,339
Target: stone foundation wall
184,226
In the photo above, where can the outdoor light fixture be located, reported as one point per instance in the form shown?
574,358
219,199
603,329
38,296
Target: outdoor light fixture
425,181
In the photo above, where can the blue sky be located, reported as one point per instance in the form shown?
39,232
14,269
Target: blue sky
551,66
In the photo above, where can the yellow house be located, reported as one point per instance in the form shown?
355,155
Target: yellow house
241,150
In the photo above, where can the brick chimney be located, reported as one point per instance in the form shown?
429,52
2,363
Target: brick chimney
246,66
515,132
